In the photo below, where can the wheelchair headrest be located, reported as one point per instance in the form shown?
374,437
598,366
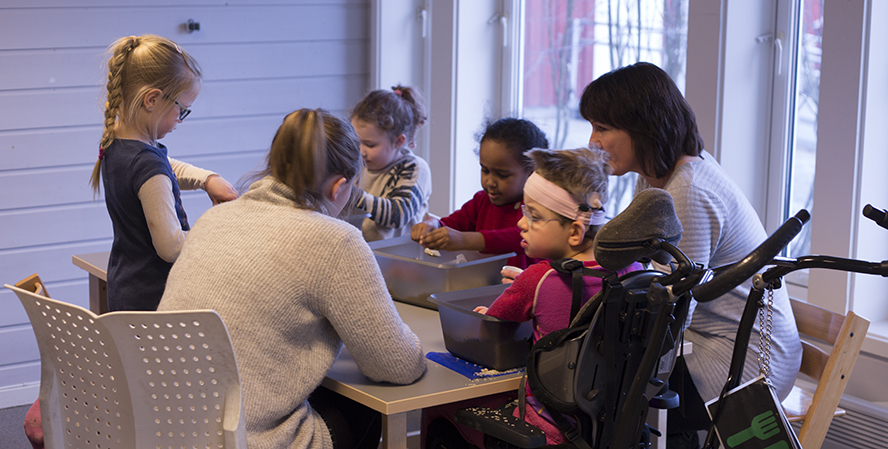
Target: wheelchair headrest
624,240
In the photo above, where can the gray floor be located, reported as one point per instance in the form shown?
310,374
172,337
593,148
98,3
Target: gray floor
12,432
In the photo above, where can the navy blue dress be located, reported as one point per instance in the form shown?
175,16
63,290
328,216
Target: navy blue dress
136,274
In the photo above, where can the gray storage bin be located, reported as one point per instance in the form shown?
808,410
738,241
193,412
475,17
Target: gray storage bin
356,219
483,340
412,275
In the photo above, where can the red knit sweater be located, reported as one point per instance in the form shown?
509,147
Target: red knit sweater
497,224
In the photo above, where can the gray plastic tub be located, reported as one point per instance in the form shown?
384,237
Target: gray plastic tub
483,340
412,275
356,219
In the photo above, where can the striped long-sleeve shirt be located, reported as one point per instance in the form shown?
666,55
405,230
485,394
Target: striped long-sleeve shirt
396,197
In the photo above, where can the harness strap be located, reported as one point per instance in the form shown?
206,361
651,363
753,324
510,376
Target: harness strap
576,269
577,296
570,432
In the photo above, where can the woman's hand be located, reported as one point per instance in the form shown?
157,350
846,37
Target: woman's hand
219,189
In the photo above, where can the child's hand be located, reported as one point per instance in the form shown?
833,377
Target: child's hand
444,238
420,229
219,189
509,273
480,309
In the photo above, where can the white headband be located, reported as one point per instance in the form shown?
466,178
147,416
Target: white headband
560,201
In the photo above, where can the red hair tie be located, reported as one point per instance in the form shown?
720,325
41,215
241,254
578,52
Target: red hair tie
397,92
101,153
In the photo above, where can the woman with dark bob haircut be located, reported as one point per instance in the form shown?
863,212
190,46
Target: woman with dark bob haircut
640,118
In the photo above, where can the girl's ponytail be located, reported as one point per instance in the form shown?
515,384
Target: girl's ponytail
298,156
412,99
311,146
122,48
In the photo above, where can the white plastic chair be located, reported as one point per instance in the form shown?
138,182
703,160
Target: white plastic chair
135,379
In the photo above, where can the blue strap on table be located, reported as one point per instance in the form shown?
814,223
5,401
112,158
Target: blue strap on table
465,368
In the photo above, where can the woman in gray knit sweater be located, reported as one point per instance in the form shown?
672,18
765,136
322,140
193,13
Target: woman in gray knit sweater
640,118
293,283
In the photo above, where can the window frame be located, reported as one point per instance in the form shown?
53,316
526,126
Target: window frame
843,182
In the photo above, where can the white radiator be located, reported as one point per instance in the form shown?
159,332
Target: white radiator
864,426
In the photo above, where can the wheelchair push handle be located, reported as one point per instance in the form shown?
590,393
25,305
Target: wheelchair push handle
877,215
752,263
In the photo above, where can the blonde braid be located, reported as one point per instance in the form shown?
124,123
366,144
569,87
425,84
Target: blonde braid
121,52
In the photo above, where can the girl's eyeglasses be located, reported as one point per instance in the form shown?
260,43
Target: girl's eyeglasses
531,218
183,111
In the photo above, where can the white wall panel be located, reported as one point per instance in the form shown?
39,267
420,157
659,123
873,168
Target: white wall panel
53,225
23,350
115,3
28,28
13,312
80,67
73,222
80,106
44,183
59,147
260,62
75,67
51,262
15,376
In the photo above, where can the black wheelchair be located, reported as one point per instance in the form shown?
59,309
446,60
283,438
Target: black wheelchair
599,376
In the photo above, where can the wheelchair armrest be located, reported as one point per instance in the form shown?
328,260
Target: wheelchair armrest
502,426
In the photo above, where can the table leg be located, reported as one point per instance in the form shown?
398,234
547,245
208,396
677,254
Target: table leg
98,295
394,431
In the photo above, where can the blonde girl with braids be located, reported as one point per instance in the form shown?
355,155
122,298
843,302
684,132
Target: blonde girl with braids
397,184
152,83
293,284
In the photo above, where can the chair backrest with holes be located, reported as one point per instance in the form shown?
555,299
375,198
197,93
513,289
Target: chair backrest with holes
135,379
182,377
83,400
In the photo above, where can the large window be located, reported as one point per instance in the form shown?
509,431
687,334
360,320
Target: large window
765,67
804,105
568,43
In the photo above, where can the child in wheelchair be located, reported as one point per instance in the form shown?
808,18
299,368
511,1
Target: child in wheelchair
563,210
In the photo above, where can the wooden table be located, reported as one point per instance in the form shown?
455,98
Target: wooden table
96,264
439,385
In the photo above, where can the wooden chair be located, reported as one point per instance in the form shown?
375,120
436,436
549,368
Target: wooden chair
33,421
33,284
845,333
135,379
